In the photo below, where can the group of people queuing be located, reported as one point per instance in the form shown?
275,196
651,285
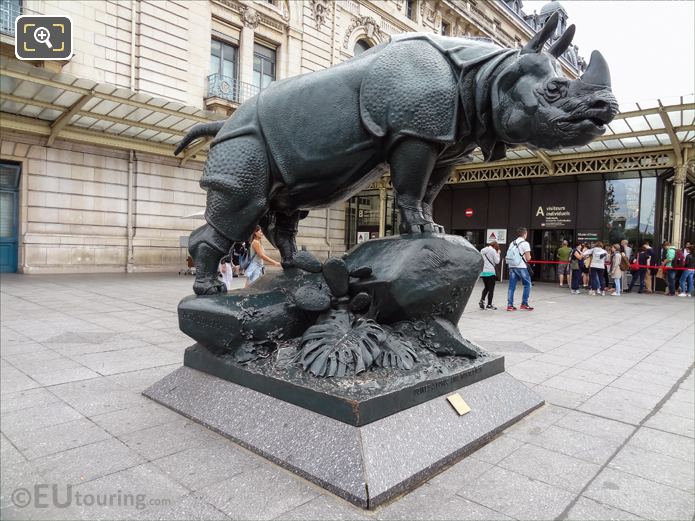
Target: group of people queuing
605,269
599,268
245,259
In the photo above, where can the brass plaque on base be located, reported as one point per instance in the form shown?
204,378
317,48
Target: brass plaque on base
459,404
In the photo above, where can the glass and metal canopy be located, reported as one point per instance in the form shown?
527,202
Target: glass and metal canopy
62,106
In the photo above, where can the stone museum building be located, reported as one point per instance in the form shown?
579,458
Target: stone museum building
89,182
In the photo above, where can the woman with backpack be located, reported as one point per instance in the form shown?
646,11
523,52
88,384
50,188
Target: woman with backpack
256,257
226,271
597,268
668,257
616,271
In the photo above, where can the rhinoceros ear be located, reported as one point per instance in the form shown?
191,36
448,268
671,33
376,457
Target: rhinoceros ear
562,43
536,43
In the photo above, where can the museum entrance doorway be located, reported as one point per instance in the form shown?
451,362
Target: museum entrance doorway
545,244
475,237
9,210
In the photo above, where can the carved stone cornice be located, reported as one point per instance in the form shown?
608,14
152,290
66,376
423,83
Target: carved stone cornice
250,17
371,28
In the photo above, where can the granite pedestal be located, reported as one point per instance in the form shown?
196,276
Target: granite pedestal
367,465
358,399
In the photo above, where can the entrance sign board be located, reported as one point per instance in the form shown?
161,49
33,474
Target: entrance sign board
553,207
554,217
496,234
587,236
362,236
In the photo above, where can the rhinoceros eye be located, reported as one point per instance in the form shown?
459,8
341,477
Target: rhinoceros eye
555,89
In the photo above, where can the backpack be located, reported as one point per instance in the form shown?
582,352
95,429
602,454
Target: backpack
624,263
245,258
513,256
679,259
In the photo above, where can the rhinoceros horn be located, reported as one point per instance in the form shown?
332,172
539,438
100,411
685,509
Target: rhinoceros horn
597,73
536,43
563,42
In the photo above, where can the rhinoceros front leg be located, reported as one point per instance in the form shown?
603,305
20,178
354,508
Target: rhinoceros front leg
412,161
439,177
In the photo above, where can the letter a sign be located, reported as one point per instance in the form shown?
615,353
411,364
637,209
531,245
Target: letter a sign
540,211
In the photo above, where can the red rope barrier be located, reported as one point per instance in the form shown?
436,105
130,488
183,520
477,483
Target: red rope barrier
632,266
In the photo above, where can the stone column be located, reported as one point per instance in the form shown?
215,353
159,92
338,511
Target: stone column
251,20
678,200
382,211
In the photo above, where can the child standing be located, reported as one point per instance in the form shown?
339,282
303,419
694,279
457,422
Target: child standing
616,271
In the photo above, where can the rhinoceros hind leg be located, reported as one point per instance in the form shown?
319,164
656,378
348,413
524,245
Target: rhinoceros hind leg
281,230
438,179
207,247
287,228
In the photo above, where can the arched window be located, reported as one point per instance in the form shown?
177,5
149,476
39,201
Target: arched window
360,47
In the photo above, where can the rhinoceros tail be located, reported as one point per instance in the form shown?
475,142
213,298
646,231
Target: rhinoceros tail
204,129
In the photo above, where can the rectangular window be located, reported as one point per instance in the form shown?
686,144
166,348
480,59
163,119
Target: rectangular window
264,60
410,9
223,59
446,29
621,210
647,211
9,11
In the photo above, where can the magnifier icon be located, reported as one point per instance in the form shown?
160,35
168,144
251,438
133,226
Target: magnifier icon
42,35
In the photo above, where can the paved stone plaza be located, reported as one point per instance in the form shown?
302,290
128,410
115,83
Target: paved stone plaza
615,440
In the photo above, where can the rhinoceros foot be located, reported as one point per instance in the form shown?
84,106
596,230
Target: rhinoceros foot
209,287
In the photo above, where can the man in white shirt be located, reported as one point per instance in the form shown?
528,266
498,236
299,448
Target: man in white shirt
518,270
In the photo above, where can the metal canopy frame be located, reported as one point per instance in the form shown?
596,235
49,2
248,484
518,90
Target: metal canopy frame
63,106
642,136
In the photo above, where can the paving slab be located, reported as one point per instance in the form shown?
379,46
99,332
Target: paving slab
676,473
591,510
56,438
430,503
210,461
553,468
261,493
666,443
187,508
517,496
88,462
643,497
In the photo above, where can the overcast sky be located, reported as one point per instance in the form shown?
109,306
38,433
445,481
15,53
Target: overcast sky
649,45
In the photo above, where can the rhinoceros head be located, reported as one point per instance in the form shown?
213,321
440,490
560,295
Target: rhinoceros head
535,104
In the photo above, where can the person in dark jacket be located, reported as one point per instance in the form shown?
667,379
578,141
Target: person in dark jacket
643,259
686,282
576,264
